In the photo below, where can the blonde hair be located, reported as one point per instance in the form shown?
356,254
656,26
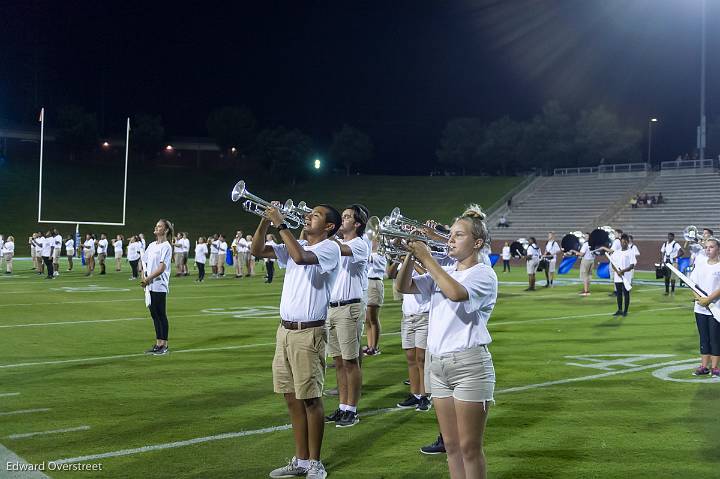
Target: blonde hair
169,230
476,217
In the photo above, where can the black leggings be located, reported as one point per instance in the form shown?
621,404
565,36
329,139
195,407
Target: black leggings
201,270
506,264
49,264
134,267
621,293
709,331
159,316
668,275
270,271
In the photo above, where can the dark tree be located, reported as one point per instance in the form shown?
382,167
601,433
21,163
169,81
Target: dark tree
499,152
549,139
460,143
146,134
351,147
77,130
286,152
599,135
232,127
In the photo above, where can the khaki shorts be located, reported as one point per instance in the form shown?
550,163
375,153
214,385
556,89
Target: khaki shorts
551,265
213,259
88,255
56,255
220,260
344,331
299,362
101,257
586,268
466,375
376,292
414,331
179,259
532,266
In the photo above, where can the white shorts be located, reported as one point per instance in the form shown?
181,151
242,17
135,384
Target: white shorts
551,265
466,375
414,331
70,253
56,255
213,259
532,266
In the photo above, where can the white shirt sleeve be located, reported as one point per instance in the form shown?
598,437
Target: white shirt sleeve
482,290
166,253
425,284
281,253
328,255
360,250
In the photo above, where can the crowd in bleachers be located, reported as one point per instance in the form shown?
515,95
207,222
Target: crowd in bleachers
645,200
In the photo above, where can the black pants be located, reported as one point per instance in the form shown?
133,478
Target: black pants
506,264
159,316
201,270
668,282
621,294
709,331
49,265
134,268
270,271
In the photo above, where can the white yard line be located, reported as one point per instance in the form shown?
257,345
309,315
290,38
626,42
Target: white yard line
267,430
24,411
45,433
560,318
174,298
4,395
9,458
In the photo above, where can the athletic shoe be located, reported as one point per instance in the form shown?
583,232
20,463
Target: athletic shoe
365,349
424,404
701,371
347,419
617,313
410,402
406,382
152,350
715,372
334,416
56,273
624,314
438,447
291,469
529,289
161,351
372,352
316,470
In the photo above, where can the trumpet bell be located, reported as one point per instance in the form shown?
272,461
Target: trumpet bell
238,191
691,233
372,228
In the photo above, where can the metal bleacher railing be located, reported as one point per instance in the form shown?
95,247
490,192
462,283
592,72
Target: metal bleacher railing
685,164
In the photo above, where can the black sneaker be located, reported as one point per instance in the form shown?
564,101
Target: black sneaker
411,401
424,404
161,350
347,419
152,350
334,416
617,313
438,447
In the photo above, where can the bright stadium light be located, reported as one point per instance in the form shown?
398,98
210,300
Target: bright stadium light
317,163
106,145
169,148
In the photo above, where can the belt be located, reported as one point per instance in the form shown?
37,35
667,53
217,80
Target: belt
335,304
302,324
376,278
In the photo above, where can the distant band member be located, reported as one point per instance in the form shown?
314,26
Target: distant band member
376,297
70,251
57,248
670,252
707,276
201,251
623,263
532,257
506,257
299,362
118,248
552,248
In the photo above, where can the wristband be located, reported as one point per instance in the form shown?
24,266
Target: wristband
282,226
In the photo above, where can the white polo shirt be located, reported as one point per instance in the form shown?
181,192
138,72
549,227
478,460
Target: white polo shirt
352,276
623,259
179,246
707,277
118,244
222,247
505,253
58,243
155,254
616,245
533,251
306,288
186,245
214,247
457,326
378,265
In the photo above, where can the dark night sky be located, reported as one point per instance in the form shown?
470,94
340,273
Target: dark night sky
396,69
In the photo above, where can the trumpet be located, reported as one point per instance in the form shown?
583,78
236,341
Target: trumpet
691,234
384,231
257,206
301,208
404,223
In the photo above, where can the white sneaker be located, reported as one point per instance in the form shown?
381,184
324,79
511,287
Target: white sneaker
292,469
316,470
55,273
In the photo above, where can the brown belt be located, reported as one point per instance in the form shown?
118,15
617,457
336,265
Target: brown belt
302,324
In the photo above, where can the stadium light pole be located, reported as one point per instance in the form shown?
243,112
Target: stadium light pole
701,133
650,124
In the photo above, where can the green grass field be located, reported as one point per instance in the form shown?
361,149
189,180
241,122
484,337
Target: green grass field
71,357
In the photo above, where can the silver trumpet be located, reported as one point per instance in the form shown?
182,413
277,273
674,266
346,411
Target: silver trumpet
301,208
257,206
385,232
404,223
691,234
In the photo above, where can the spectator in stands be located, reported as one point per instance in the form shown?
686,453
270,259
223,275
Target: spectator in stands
503,222
633,202
509,203
660,199
648,201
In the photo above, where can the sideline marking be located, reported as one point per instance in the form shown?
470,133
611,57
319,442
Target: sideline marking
175,298
230,435
3,395
9,457
24,411
42,433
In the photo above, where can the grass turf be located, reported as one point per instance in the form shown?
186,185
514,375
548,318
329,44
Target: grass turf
89,370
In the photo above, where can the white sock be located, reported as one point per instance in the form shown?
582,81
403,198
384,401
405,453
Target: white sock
343,407
351,408
417,396
304,463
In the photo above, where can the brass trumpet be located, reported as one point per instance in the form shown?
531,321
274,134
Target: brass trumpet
385,232
404,223
257,206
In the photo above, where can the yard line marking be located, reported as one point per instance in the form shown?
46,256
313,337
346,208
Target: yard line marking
7,457
43,433
24,411
558,318
135,318
135,355
174,298
2,395
284,427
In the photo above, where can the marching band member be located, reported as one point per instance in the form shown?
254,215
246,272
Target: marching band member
506,257
221,253
102,248
48,246
213,254
156,262
623,263
238,257
201,251
8,252
269,262
70,251
249,259
186,252
706,275
57,247
178,249
375,299
533,259
460,370
552,248
134,252
586,264
345,313
670,252
633,247
697,248
118,248
299,362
